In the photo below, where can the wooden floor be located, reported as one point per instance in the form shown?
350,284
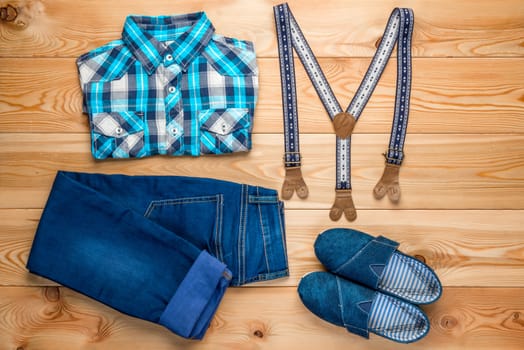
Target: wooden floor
462,206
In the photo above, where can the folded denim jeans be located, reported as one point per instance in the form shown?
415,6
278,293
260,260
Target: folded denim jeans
160,248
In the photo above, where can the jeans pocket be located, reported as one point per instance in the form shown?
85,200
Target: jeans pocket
225,130
266,245
117,134
197,219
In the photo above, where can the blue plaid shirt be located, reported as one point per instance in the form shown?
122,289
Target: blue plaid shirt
169,86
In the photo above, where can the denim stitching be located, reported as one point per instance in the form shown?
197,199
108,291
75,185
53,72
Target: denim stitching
282,230
172,201
263,199
149,210
262,228
340,303
360,252
388,242
218,231
364,302
267,276
244,232
239,245
373,271
241,235
219,199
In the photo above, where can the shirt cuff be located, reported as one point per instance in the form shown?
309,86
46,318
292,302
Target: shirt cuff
191,309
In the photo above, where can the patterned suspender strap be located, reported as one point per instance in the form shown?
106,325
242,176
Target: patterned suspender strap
292,159
399,29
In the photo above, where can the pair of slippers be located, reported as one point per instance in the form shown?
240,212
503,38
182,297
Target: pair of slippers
371,286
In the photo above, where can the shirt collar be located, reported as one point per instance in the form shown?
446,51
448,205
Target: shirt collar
145,36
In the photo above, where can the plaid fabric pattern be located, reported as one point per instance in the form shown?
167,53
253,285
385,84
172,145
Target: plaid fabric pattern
170,85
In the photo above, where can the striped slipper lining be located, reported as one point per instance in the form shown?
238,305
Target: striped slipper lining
410,279
397,320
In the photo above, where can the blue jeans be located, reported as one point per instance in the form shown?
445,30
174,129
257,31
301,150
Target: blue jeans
161,248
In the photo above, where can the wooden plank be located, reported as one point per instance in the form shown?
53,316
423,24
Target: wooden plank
465,247
440,171
339,28
462,181
449,96
252,318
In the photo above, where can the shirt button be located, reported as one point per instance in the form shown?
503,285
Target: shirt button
118,131
171,89
169,58
174,131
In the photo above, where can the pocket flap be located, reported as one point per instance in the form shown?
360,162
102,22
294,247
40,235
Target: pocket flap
225,121
118,124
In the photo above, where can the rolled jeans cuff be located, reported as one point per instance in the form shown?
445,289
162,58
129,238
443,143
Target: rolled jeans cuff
191,309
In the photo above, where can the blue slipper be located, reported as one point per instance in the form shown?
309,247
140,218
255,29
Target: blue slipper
361,310
377,264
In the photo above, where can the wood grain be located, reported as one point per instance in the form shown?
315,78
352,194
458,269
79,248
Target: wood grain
465,247
440,171
251,318
459,96
340,28
462,206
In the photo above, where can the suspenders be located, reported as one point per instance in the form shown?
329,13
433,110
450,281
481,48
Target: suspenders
398,31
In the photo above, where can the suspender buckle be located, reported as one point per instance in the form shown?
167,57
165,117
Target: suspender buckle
344,124
397,160
291,159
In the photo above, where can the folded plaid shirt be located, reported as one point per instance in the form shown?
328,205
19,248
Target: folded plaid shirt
169,86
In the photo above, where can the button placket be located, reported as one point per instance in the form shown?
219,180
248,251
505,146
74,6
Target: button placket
173,104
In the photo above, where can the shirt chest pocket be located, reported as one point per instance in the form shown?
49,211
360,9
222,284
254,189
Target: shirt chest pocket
231,75
224,130
117,134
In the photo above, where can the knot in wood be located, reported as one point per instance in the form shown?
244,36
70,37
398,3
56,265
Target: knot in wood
52,294
515,318
258,333
420,258
377,43
8,13
448,322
